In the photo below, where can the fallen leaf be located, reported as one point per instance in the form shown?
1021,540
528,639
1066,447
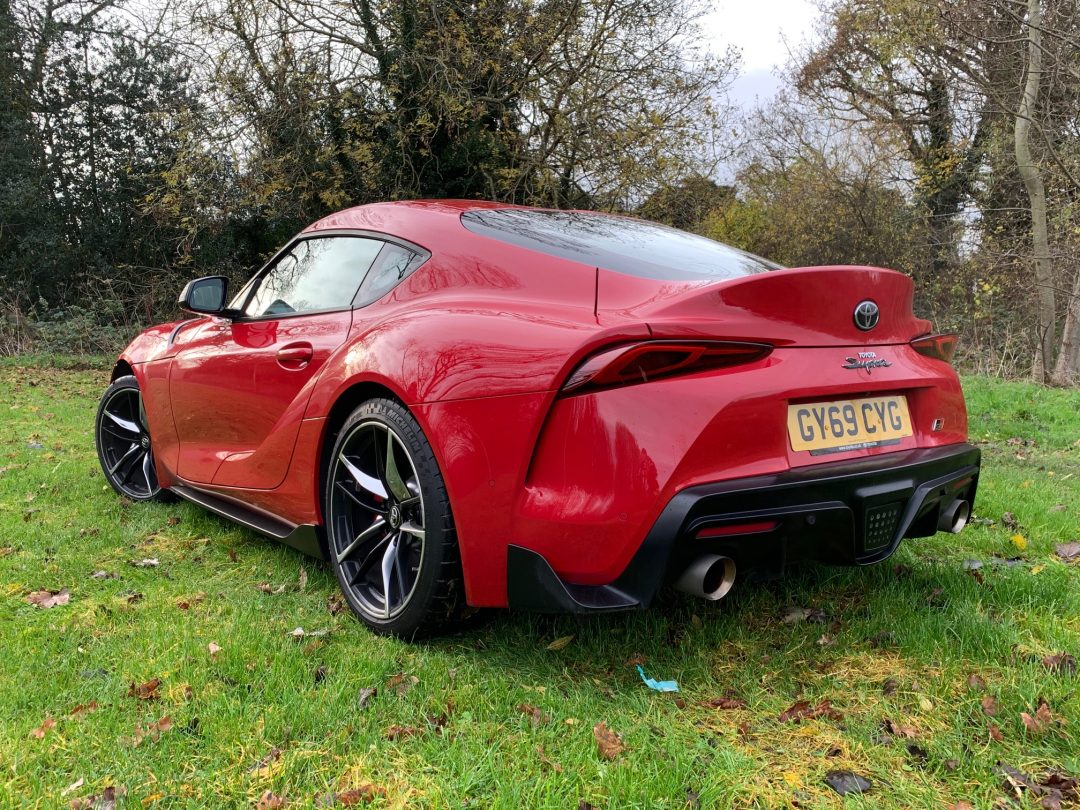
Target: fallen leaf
363,794
400,732
890,686
149,562
84,708
106,801
1019,541
268,801
300,632
975,682
803,710
989,705
995,733
401,683
794,615
303,579
145,691
636,660
608,743
962,805
187,602
1067,551
826,641
265,767
213,649
1040,722
335,604
726,702
173,520
267,588
49,599
43,729
366,694
845,782
320,674
1062,663
233,556
1009,521
78,783
537,716
900,730
560,643
152,730
104,575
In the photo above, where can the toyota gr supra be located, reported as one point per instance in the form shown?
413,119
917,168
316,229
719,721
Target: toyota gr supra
463,403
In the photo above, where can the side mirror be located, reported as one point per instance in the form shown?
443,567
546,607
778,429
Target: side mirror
205,296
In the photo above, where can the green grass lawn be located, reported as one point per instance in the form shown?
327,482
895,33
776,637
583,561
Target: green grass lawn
927,661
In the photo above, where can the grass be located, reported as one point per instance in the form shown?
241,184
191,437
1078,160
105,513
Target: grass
897,642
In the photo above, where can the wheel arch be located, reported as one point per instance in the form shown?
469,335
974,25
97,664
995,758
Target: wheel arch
122,368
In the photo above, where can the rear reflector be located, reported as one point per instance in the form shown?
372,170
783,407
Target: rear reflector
737,528
938,347
655,359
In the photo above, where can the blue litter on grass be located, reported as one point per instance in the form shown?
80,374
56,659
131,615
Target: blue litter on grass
659,686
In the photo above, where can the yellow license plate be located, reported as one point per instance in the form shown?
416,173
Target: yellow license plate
848,424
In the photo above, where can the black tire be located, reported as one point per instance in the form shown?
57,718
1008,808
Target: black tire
389,528
124,447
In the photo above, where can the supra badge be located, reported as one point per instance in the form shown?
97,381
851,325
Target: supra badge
866,361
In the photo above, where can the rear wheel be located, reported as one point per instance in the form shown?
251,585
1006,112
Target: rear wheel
123,442
390,532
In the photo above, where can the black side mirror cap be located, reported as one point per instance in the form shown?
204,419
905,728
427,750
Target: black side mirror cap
206,296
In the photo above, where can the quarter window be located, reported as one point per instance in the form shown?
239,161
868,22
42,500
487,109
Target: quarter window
315,275
393,264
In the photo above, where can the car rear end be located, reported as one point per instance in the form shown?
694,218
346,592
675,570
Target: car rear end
772,415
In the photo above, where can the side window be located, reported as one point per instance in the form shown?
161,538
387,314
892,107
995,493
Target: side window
317,274
393,264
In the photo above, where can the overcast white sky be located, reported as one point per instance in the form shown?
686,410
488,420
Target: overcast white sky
764,30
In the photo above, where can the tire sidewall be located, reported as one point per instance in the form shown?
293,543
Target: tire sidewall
438,525
120,383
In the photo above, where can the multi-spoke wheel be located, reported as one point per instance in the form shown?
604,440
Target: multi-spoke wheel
390,534
123,442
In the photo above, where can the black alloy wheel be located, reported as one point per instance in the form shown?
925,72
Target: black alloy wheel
123,442
390,534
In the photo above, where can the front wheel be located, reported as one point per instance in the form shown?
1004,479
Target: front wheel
390,532
123,442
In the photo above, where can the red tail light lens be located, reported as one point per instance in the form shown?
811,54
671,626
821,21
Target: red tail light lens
643,362
938,347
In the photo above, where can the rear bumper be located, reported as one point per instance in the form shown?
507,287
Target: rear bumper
849,513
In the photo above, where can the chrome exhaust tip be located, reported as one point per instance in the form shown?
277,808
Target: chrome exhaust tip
954,517
709,577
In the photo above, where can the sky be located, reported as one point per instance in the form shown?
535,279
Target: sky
765,31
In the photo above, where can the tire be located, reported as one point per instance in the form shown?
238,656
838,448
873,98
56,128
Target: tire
389,528
124,447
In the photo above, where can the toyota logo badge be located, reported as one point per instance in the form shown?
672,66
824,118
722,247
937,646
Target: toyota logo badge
866,315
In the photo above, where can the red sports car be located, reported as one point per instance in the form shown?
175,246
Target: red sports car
475,403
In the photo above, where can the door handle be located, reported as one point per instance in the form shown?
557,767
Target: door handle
295,356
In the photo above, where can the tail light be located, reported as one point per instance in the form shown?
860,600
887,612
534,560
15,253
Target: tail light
938,347
655,359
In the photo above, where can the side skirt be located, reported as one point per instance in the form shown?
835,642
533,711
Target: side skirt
303,538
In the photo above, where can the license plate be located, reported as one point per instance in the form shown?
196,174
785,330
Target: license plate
848,424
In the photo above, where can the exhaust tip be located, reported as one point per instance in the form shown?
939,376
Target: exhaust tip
709,577
955,516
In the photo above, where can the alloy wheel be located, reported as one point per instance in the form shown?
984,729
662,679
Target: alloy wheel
377,519
124,443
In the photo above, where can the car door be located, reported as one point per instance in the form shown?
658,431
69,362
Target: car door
239,387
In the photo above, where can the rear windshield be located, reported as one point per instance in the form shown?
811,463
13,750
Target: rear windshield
622,244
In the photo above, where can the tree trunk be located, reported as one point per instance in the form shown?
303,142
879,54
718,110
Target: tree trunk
1033,182
1067,370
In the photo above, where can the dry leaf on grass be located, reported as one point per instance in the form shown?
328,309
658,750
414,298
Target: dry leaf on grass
145,691
803,710
149,562
726,702
267,588
1040,722
106,801
268,801
152,730
608,743
989,705
560,643
213,649
302,584
401,683
537,716
264,768
401,732
49,599
364,794
900,730
366,694
974,681
1062,663
84,708
43,729
1068,551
